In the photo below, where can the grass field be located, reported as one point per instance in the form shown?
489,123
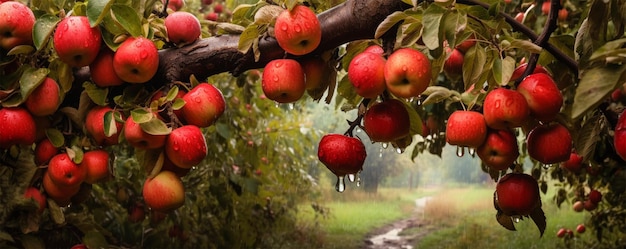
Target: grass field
457,218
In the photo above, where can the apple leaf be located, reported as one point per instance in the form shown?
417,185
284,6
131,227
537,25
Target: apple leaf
128,18
95,239
21,49
248,37
346,90
265,14
436,94
31,79
4,236
97,94
432,20
31,242
389,22
56,137
473,64
595,85
153,162
43,28
55,212
539,218
178,103
589,136
505,221
155,126
64,75
141,115
110,127
454,22
503,69
97,10
526,45
290,4
171,94
29,221
411,32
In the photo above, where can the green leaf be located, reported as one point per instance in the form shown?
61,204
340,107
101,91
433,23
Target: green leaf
505,221
55,212
31,79
411,33
56,137
594,86
453,23
223,130
21,49
97,94
75,153
128,18
43,28
290,4
155,127
526,45
247,38
589,135
609,49
473,64
432,20
171,94
110,127
436,94
178,103
346,90
503,69
389,22
97,10
141,115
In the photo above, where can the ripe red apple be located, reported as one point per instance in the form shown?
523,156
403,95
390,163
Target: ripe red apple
505,108
589,205
522,68
136,213
519,17
186,146
407,73
44,99
574,163
16,25
453,66
578,206
76,42
517,194
619,139
580,228
341,154
94,126
138,138
179,113
466,128
562,15
60,194
387,121
136,60
44,151
182,28
175,5
366,72
17,127
102,71
211,16
96,163
204,104
207,2
63,171
466,44
37,196
315,70
165,192
283,81
545,7
375,49
548,144
595,196
500,150
542,95
218,8
298,31
561,233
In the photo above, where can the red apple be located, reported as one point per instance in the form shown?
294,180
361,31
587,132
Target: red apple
595,196
561,233
366,72
102,71
94,126
453,66
76,42
467,44
138,138
44,151
375,49
211,16
407,73
207,2
218,8
186,146
387,121
17,127
505,108
590,206
165,192
63,171
500,150
517,194
580,228
136,213
204,104
549,144
619,139
315,70
45,98
175,5
574,163
96,163
466,128
37,196
542,95
283,81
522,68
562,15
519,17
341,154
182,28
60,194
16,25
545,7
298,31
136,60
578,206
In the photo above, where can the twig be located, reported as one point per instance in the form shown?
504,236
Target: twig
356,122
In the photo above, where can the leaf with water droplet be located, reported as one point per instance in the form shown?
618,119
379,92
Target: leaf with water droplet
128,18
31,79
42,30
97,10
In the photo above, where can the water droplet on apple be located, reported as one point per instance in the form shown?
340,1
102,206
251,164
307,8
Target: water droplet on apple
405,68
340,186
399,150
385,145
472,151
275,78
284,27
351,177
297,28
197,99
497,103
460,151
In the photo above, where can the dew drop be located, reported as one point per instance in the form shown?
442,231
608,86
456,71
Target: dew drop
547,166
516,219
358,129
385,145
497,104
275,78
419,100
460,151
405,68
351,177
297,28
291,106
358,179
472,151
340,186
399,150
284,27
143,54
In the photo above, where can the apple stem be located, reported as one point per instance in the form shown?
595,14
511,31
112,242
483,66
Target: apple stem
356,122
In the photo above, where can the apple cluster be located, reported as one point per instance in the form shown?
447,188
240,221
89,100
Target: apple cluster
567,233
69,144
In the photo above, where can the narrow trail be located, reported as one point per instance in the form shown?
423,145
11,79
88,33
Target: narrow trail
390,237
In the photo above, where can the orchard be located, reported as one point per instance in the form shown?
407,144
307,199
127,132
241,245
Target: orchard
181,124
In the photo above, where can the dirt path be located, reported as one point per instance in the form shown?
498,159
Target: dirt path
391,237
